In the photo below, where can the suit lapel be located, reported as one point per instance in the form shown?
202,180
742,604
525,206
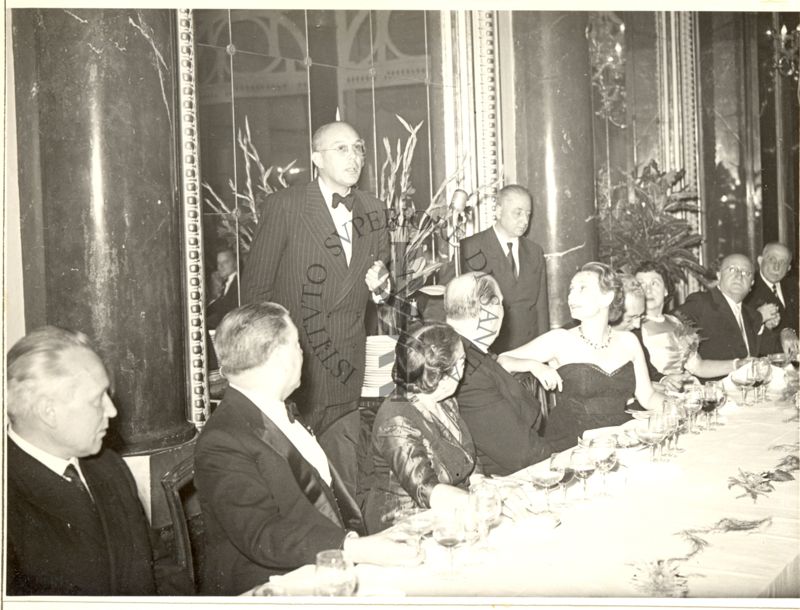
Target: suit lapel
498,257
322,231
729,319
307,477
359,234
52,494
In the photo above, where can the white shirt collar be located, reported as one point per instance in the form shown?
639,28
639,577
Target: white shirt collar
53,462
504,238
736,307
303,441
770,284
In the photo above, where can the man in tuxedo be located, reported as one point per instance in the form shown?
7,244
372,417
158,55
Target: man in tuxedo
728,328
320,250
75,523
503,414
518,266
269,496
228,296
772,285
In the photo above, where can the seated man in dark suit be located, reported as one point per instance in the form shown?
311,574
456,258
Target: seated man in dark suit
728,328
518,265
502,415
269,496
773,285
75,522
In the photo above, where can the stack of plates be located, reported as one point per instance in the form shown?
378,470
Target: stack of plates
378,366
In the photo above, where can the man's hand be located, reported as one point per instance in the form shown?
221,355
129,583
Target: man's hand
377,278
769,314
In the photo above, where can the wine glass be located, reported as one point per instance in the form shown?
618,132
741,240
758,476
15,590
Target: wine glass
764,369
335,575
652,433
760,368
713,394
743,378
486,506
676,415
604,450
582,462
693,403
450,531
545,475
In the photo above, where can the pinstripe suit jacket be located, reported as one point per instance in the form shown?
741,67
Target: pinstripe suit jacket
296,259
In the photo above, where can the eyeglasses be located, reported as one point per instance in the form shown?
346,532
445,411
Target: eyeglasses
358,148
738,271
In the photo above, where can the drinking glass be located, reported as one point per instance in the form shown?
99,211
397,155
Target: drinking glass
546,475
604,450
760,368
764,370
653,433
693,403
582,462
450,531
335,575
675,413
713,393
486,506
743,379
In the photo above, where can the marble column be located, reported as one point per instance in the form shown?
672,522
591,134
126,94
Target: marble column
553,117
100,85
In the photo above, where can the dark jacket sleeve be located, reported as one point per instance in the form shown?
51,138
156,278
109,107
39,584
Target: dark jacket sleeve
506,434
266,251
401,444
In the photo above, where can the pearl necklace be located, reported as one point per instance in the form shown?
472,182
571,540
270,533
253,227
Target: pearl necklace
606,341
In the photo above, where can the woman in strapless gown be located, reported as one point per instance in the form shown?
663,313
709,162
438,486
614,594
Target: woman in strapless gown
596,369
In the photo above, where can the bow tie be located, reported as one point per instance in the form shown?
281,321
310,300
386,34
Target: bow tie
347,200
292,411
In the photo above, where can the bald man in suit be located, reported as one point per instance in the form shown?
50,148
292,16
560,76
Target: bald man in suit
321,249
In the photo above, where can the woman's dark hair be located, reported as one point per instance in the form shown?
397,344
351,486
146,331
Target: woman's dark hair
655,267
609,281
424,355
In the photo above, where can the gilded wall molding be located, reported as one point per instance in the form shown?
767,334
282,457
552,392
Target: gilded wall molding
194,283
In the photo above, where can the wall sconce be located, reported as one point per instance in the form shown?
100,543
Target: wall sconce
787,53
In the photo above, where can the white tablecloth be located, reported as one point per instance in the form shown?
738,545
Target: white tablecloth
595,549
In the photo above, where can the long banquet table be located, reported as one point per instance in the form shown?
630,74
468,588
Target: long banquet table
599,543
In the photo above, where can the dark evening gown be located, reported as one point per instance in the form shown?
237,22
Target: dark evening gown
591,398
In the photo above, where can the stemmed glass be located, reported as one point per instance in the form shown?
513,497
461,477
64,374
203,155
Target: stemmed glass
486,506
653,433
546,475
676,415
760,367
743,379
605,457
582,462
450,531
713,397
693,403
335,575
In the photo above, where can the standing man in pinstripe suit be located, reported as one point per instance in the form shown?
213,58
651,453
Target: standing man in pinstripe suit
321,248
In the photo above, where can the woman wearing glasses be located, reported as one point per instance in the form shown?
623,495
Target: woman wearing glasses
421,449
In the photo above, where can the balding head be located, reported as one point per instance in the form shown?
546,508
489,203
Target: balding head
775,261
735,276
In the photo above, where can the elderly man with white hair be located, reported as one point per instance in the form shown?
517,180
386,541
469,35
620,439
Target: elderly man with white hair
502,415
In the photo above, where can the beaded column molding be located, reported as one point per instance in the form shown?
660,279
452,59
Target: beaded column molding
487,109
192,223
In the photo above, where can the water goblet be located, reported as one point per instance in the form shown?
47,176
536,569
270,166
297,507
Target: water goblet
693,404
604,450
652,433
335,575
676,415
743,378
546,475
450,531
486,506
760,368
582,462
